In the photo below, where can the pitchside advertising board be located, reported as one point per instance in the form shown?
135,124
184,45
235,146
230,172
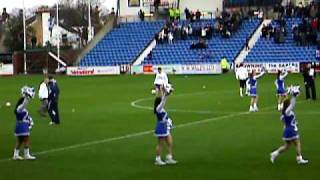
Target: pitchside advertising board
294,67
178,69
6,66
92,71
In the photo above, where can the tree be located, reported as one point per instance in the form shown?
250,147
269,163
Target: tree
14,33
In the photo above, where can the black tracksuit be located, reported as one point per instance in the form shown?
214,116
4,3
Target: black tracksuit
53,102
309,83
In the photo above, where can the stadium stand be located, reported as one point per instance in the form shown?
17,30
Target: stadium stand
179,52
266,50
122,45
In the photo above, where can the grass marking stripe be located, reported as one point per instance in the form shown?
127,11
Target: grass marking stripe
128,136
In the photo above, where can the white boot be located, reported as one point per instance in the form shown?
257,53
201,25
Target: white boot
255,108
273,156
251,109
159,162
241,94
169,160
300,160
16,155
27,155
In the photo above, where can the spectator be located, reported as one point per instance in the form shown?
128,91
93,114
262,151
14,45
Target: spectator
5,16
156,5
217,14
141,15
53,101
112,11
200,45
187,13
190,30
309,75
176,14
225,66
198,15
247,44
203,33
170,38
171,14
264,31
43,96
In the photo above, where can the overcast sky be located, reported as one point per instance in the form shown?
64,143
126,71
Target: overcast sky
12,4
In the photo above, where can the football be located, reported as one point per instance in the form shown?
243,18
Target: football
8,104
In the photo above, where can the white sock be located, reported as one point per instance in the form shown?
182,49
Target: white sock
241,94
169,156
255,106
158,158
16,152
281,106
299,158
26,152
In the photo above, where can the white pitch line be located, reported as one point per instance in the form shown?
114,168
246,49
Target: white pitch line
128,136
136,105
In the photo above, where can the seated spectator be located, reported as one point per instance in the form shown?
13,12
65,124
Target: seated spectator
217,14
216,27
170,38
199,45
190,30
209,32
203,33
225,33
264,31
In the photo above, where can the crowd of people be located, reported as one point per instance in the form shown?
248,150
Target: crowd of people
304,33
225,25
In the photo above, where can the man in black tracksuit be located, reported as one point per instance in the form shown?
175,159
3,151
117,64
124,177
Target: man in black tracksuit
53,101
309,75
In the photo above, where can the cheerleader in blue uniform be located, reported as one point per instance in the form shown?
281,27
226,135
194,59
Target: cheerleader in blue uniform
252,86
281,90
163,128
23,124
290,133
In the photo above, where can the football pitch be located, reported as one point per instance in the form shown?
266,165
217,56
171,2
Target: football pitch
107,124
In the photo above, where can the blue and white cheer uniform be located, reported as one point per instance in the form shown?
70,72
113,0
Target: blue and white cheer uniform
164,123
290,124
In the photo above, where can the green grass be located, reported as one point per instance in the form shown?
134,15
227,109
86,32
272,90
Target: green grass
228,144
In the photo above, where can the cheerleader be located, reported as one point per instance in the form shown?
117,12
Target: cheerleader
281,90
290,134
160,81
252,86
163,128
23,124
